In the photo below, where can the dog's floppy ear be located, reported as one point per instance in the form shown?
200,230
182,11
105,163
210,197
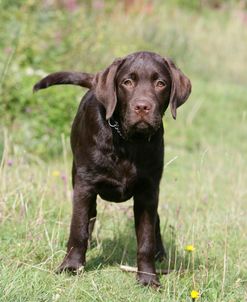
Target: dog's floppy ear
180,88
104,87
65,77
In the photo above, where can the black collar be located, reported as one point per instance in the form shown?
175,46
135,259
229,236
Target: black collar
114,124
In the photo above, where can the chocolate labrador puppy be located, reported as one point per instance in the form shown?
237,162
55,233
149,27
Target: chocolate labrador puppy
118,148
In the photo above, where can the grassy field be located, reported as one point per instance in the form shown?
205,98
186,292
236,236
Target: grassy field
203,193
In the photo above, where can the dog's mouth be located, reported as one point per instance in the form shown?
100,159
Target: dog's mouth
142,125
141,128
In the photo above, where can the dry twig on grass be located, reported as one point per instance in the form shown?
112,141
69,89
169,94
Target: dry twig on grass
133,269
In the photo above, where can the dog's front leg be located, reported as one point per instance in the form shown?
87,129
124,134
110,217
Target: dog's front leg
145,211
83,200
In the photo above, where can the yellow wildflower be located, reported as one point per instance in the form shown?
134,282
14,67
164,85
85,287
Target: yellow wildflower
190,248
55,173
194,294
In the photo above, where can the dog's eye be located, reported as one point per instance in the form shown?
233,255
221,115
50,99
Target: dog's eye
128,83
160,84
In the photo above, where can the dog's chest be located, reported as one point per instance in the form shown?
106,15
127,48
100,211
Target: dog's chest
117,178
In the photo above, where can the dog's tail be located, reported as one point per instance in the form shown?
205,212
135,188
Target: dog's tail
65,77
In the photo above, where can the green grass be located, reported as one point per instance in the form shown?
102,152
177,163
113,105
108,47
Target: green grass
37,39
202,202
203,195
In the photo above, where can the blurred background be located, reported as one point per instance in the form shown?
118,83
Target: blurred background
206,38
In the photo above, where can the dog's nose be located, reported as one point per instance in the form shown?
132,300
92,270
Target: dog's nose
142,108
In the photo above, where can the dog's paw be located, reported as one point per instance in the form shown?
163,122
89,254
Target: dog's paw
149,280
70,266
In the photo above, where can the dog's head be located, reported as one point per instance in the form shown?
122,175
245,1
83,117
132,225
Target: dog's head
136,90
